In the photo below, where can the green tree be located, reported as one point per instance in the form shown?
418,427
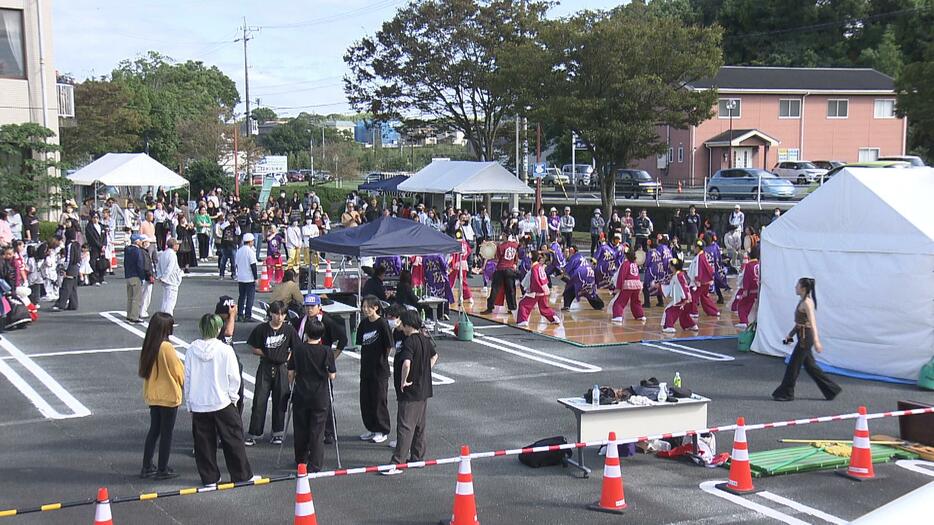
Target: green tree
264,114
615,77
105,122
207,175
28,169
442,58
915,89
886,57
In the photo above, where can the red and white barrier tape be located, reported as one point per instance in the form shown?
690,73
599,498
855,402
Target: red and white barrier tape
571,446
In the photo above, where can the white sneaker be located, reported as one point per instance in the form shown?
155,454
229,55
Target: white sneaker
694,328
617,319
669,330
391,472
556,321
256,477
695,316
392,443
523,324
367,436
642,319
379,437
741,326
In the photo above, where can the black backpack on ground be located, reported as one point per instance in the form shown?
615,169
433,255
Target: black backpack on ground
546,459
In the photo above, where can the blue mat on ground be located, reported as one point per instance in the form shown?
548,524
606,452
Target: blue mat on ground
859,375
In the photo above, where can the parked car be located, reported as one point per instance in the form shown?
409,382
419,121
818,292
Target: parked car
633,183
914,160
828,164
578,173
322,176
741,183
799,171
871,164
296,176
554,177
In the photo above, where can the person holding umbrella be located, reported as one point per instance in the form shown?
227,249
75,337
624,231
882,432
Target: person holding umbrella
311,369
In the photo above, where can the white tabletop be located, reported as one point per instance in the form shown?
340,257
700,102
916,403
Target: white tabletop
337,308
320,291
578,404
432,300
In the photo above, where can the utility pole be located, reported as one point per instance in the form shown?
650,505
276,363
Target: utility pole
247,36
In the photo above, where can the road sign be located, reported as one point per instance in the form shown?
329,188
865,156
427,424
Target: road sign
539,171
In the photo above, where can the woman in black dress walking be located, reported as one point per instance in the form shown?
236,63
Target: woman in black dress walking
806,331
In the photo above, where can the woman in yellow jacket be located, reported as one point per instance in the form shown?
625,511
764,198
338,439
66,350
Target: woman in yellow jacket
164,376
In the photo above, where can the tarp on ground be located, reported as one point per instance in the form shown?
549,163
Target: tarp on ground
127,169
386,236
465,177
867,238
385,185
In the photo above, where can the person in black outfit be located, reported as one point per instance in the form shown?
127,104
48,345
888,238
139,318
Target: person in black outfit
226,309
806,331
94,234
374,285
273,341
68,293
412,379
311,369
375,340
692,226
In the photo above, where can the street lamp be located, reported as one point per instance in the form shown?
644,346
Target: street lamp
730,106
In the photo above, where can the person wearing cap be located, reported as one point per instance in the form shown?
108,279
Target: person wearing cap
335,337
133,272
566,226
737,218
246,274
226,309
597,224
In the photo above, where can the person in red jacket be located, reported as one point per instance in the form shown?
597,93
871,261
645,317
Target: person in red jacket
679,293
459,261
701,273
536,293
748,293
504,278
628,287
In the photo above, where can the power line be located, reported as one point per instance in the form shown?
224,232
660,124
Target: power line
825,25
337,16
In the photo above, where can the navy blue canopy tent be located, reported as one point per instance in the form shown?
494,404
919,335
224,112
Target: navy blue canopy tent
386,185
386,236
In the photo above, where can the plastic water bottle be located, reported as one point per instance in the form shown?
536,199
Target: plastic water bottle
662,392
595,396
677,380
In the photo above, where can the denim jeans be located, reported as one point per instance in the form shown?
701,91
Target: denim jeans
227,254
245,299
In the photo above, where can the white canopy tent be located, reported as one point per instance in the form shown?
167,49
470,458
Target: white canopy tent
464,177
867,238
127,169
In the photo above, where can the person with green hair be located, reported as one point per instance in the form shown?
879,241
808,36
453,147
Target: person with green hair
212,383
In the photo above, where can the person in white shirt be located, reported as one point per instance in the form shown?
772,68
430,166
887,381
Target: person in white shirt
528,226
294,245
309,231
16,223
212,382
170,275
737,218
246,274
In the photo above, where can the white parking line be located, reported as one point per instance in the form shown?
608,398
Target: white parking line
710,488
528,353
800,507
690,351
917,465
247,393
77,409
79,352
436,379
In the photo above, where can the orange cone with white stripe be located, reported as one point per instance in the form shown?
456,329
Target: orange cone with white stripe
102,514
304,506
612,498
113,262
465,506
860,468
328,276
740,472
264,280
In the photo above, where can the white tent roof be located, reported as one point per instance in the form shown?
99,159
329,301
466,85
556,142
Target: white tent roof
881,210
465,177
127,169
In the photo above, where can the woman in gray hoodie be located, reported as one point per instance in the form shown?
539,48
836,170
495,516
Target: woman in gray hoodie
212,380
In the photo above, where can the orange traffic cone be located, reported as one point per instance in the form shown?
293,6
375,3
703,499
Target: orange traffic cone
264,280
328,276
304,506
612,498
740,473
33,312
102,514
113,262
679,187
465,506
860,468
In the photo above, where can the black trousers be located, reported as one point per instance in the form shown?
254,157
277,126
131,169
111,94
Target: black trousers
642,243
802,356
568,238
203,242
206,428
647,297
309,424
97,272
507,279
160,236
272,380
161,425
569,295
374,408
68,294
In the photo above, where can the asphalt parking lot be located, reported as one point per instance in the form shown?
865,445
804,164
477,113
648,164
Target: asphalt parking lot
72,419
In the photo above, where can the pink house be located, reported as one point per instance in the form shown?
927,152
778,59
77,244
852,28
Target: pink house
766,115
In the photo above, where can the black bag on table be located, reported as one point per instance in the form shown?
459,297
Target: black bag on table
546,459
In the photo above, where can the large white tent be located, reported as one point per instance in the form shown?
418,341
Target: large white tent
464,177
867,238
127,169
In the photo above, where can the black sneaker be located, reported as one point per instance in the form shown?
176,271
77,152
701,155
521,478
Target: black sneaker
165,474
328,440
147,472
783,398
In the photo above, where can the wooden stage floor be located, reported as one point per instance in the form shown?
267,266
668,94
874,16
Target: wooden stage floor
584,326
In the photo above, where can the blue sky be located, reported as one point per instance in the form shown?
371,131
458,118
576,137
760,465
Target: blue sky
296,56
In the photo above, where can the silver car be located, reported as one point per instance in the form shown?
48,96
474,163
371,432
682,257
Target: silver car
744,183
799,171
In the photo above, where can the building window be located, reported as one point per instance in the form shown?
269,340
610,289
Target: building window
838,108
885,108
671,155
724,107
789,108
868,154
680,153
12,54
